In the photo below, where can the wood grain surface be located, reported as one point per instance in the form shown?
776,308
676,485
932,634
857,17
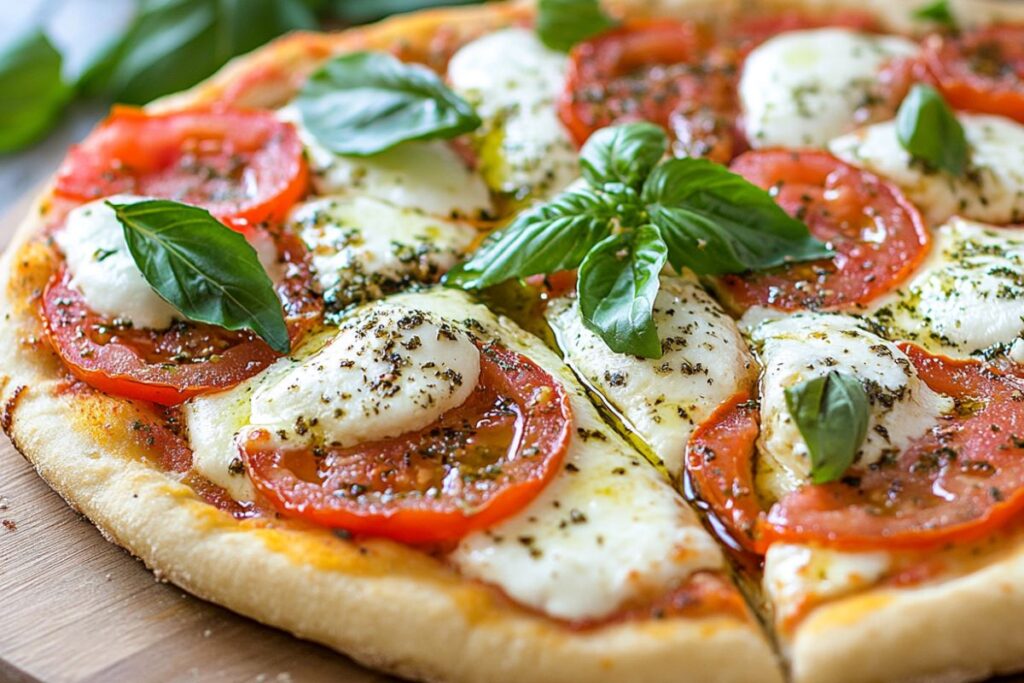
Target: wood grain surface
74,607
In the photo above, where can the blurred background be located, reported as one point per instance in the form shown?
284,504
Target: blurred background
64,62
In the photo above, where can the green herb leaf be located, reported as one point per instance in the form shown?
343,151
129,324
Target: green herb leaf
715,221
551,237
356,12
623,154
32,93
617,284
367,102
173,44
563,23
207,271
938,12
831,413
928,129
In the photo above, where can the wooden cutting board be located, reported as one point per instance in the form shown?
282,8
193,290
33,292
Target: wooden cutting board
74,607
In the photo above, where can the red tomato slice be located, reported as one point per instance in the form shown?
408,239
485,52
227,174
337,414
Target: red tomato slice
749,32
980,70
168,366
245,167
657,71
478,464
879,236
719,470
958,483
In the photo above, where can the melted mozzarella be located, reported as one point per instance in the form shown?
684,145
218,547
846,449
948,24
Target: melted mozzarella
103,269
704,362
992,189
803,88
806,346
425,175
795,574
364,248
968,297
387,371
514,83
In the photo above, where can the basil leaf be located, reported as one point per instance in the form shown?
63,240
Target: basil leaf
367,102
938,12
173,44
623,154
206,270
551,237
355,12
617,284
32,93
831,413
715,221
563,23
928,129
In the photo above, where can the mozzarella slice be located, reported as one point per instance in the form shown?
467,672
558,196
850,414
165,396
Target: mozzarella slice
704,362
967,298
103,269
363,248
805,346
514,82
425,175
992,189
803,88
388,371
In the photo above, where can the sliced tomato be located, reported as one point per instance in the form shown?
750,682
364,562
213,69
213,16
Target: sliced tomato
658,71
879,236
479,463
981,70
168,366
245,167
719,470
749,32
960,482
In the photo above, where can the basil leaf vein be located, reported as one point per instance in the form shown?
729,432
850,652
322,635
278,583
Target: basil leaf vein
207,271
617,285
715,221
551,237
831,413
563,23
928,129
364,103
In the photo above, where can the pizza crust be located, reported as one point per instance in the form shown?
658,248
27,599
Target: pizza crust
396,609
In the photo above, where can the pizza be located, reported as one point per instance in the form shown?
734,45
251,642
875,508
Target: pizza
669,340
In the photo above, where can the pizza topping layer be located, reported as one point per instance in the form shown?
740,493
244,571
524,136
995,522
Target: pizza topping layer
967,299
991,189
363,248
704,361
514,81
803,88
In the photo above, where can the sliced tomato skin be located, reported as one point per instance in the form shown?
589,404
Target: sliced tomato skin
749,32
879,236
719,470
959,483
390,501
980,70
132,363
244,166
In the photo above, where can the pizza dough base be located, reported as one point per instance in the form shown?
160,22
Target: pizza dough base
398,610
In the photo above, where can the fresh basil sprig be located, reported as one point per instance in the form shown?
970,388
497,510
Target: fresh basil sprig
831,413
937,11
636,213
928,129
364,103
563,23
206,270
32,92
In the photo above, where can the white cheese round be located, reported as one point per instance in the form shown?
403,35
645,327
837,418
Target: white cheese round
992,189
803,88
806,346
514,82
389,370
